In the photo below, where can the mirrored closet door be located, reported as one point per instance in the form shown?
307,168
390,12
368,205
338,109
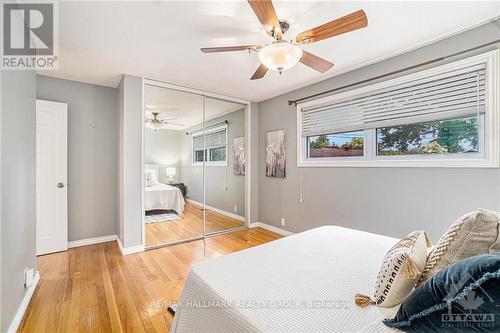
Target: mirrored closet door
171,180
194,166
225,165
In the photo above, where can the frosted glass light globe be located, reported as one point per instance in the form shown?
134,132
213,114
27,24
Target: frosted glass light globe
280,56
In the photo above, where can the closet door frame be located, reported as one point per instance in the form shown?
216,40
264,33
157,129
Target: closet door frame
248,157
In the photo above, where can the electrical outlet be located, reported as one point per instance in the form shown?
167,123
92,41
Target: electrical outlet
28,277
283,223
235,208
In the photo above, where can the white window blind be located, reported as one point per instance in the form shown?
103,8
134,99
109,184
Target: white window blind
212,140
198,142
447,95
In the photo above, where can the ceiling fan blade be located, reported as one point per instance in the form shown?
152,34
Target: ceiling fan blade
259,73
264,10
166,122
353,21
230,48
315,62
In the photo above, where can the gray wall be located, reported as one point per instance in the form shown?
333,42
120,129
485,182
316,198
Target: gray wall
92,154
163,147
254,162
391,201
216,176
131,122
18,239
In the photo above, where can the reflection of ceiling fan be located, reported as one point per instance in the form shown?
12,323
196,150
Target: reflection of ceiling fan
156,124
281,55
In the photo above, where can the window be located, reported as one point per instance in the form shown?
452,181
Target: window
452,136
213,150
335,145
445,116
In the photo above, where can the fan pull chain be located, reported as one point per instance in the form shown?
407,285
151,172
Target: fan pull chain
301,186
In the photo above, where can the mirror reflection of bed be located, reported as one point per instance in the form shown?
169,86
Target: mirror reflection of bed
176,181
169,218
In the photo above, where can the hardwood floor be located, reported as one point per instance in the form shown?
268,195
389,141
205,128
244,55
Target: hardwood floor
190,225
95,289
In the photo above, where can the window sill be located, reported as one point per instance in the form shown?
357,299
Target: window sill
401,163
212,164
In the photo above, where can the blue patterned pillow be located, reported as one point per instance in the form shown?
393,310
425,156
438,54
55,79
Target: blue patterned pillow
464,297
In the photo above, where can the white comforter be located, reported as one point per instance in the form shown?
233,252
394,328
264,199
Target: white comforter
163,196
302,283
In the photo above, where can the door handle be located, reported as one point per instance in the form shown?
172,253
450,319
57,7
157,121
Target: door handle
60,185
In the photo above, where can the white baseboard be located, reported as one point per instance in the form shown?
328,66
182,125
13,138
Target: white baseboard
120,245
129,250
109,238
271,228
14,325
90,241
220,211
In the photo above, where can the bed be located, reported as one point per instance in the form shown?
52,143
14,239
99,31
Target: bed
162,196
302,283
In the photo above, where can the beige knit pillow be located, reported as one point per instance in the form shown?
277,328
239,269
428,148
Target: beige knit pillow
472,234
401,269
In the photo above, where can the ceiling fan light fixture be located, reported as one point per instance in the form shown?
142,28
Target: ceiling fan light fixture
154,123
280,55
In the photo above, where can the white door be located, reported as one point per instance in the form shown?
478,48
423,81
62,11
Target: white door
51,177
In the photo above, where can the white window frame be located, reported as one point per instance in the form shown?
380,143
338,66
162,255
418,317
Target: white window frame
489,137
209,131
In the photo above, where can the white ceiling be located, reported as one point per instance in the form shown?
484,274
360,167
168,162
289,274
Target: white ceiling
184,108
161,40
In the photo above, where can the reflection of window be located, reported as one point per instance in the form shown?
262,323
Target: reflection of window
198,156
218,154
215,147
443,116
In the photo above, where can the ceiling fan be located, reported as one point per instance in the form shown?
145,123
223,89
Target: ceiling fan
281,55
156,124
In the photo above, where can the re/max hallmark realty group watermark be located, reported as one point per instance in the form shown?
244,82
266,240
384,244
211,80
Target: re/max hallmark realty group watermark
29,35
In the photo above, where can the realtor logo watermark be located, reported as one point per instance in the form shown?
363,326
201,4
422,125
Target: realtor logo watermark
468,310
30,35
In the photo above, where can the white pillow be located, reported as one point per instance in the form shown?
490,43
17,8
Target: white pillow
154,179
475,233
401,268
150,179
